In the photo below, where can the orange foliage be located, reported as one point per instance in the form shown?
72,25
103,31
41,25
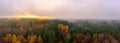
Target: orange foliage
63,28
39,39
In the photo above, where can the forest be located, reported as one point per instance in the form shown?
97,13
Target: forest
59,31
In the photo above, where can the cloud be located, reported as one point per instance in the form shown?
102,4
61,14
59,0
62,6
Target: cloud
78,9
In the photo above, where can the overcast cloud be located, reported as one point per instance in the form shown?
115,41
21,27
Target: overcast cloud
68,9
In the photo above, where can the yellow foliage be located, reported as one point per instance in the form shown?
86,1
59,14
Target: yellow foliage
28,38
14,38
66,28
39,40
63,27
18,41
32,38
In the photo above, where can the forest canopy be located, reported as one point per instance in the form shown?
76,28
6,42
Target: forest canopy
59,31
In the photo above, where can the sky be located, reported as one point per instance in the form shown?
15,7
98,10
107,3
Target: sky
63,9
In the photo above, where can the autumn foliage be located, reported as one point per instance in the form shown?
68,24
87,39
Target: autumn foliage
58,31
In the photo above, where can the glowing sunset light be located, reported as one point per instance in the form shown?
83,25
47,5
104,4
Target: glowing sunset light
33,16
29,16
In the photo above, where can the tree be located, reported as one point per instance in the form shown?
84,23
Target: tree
39,39
14,38
66,28
106,41
67,38
32,38
7,38
79,38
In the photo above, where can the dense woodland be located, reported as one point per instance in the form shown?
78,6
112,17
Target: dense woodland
59,31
